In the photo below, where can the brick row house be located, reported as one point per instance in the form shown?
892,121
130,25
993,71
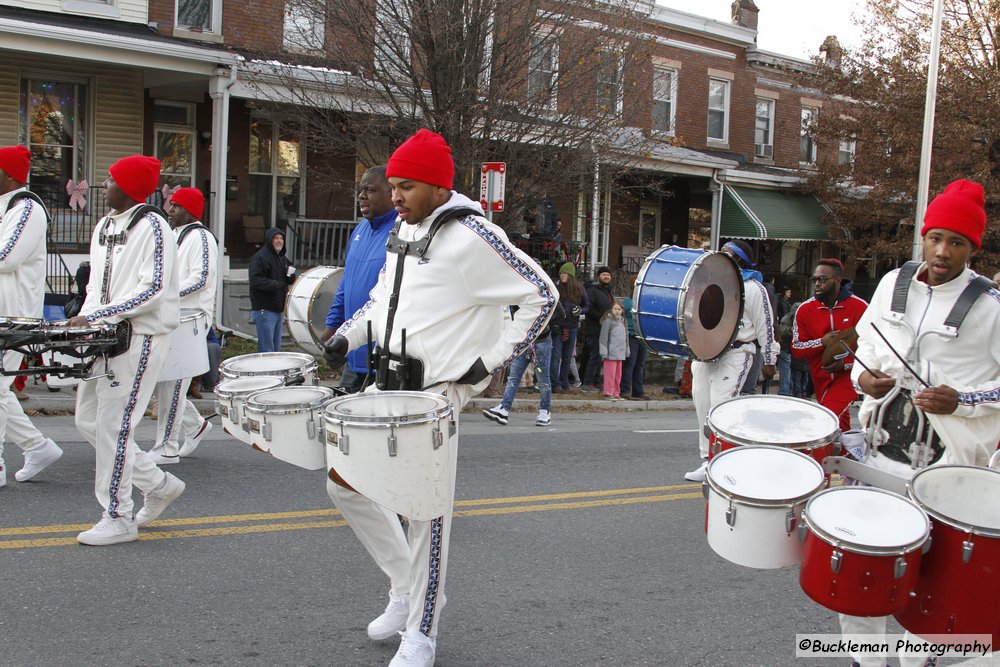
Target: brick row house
725,126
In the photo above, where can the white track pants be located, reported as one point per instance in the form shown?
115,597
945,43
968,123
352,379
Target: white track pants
107,411
715,381
176,417
14,424
415,563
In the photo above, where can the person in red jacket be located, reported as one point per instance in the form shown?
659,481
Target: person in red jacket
818,322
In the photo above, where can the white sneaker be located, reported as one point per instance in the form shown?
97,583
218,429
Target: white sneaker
190,444
698,474
110,530
544,418
160,458
3,474
158,500
497,414
38,460
416,649
392,620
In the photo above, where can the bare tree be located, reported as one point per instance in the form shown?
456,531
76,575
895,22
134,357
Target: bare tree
539,85
879,91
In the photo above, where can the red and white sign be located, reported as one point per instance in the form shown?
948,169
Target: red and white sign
494,182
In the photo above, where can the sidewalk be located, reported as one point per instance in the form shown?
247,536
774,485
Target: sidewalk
43,401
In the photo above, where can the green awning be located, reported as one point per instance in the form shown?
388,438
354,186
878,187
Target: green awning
753,213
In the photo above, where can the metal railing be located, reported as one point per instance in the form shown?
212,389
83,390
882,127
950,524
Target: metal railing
316,242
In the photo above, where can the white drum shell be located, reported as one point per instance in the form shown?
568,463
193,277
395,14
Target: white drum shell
308,303
291,367
400,461
287,423
231,396
750,529
188,353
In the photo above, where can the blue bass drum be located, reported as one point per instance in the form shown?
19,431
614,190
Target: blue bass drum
688,303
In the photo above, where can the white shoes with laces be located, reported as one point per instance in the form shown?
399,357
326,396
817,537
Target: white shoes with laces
698,474
38,460
190,444
544,418
392,620
156,501
110,530
415,650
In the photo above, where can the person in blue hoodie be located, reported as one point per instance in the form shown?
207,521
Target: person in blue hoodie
365,259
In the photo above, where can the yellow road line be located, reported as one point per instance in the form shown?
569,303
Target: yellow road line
603,501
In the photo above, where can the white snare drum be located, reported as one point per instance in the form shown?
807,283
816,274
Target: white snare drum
862,550
393,447
308,303
188,354
287,423
293,368
232,395
755,500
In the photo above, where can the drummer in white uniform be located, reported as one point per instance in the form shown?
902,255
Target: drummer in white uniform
133,285
451,307
23,221
962,396
197,270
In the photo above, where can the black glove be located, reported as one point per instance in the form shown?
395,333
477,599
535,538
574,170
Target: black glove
335,351
476,374
576,311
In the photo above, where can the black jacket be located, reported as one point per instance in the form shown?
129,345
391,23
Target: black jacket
269,279
600,302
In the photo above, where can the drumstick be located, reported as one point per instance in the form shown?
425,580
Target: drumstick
893,350
850,352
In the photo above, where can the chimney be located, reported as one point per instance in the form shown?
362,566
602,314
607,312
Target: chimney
745,14
830,51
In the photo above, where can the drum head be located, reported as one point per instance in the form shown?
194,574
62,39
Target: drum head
867,519
773,420
308,303
965,497
247,385
386,407
288,398
768,475
267,363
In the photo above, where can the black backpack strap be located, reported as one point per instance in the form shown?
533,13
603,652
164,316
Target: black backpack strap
137,215
978,286
190,228
27,194
419,247
902,287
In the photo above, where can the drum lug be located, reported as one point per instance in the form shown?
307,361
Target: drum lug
731,515
927,545
802,531
967,546
344,444
265,431
392,444
437,438
900,568
790,522
311,429
452,428
835,560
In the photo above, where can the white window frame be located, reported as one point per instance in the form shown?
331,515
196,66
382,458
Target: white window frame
551,41
196,32
726,91
278,128
104,8
302,32
619,82
847,151
808,117
485,74
764,149
658,89
187,128
653,211
394,60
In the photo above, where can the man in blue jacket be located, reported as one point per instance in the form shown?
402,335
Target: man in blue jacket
365,259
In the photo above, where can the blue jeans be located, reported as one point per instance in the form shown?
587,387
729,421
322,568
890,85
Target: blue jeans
543,359
562,355
633,370
269,324
785,373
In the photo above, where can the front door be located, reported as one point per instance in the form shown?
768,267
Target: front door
649,228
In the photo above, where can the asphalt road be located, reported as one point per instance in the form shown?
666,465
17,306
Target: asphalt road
576,544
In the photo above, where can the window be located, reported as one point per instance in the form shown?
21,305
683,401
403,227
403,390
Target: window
392,43
199,15
175,142
305,26
807,143
845,154
542,64
106,8
53,125
609,83
664,102
275,190
763,135
718,110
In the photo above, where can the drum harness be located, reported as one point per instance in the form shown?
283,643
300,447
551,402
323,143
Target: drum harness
402,372
892,431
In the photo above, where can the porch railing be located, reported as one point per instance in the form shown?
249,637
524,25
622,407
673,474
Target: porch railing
316,242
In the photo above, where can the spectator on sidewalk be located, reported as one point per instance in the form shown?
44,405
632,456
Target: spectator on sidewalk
634,368
599,294
574,303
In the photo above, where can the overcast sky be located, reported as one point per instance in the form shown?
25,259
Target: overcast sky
789,27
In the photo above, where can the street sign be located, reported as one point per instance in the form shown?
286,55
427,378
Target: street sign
491,188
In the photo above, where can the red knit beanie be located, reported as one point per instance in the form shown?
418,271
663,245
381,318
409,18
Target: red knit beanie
14,160
191,200
960,208
136,175
424,157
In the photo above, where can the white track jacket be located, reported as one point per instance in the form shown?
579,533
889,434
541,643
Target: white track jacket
758,321
197,270
22,257
451,302
969,363
141,275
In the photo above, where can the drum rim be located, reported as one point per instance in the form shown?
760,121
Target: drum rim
225,368
762,502
312,298
863,550
250,407
938,516
189,314
222,393
640,283
434,415
807,445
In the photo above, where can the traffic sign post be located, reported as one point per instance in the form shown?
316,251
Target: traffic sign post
492,187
